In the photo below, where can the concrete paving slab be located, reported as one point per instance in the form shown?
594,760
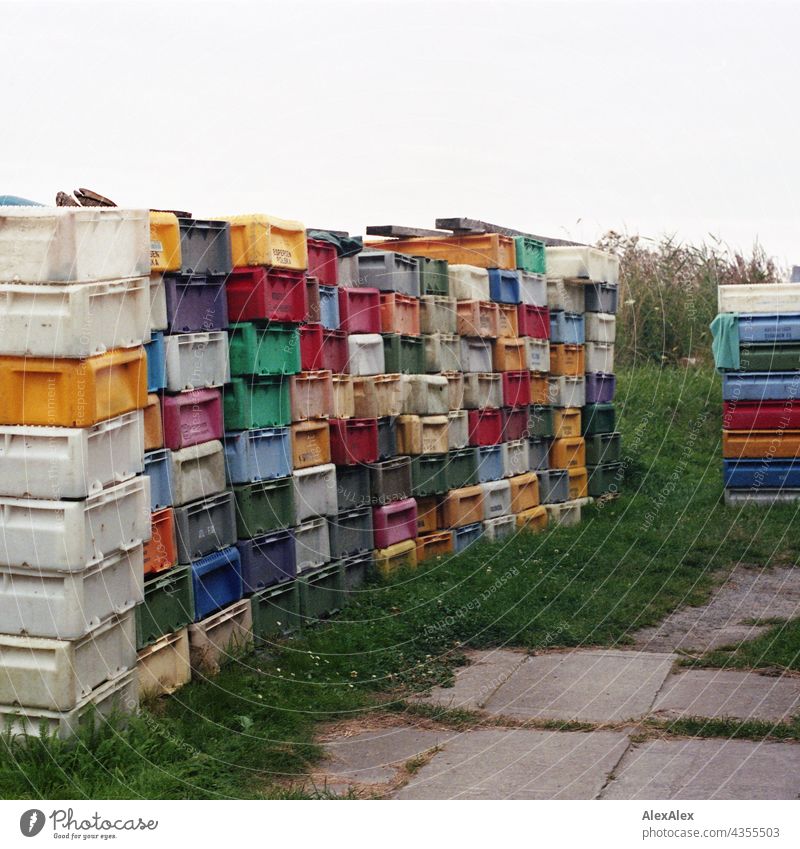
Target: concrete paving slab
475,683
589,686
519,764
707,769
725,692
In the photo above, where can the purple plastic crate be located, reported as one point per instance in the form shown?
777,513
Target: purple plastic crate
267,560
195,302
600,387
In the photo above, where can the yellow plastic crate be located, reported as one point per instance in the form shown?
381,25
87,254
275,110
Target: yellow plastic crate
533,520
755,444
483,250
568,453
434,545
397,556
72,393
165,242
524,492
462,506
566,422
266,240
578,482
427,514
567,359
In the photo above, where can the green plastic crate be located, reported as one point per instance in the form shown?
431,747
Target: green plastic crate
168,605
261,401
462,467
276,612
530,254
322,592
540,420
603,448
604,479
264,506
433,276
784,356
598,418
263,349
355,571
403,354
429,474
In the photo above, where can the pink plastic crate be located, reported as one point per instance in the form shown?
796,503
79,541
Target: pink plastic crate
394,522
311,347
359,310
323,262
192,417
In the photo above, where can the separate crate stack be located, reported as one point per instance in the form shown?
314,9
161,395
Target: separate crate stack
757,349
75,503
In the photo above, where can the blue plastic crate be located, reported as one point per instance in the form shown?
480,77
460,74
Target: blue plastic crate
329,307
601,297
566,328
770,328
157,466
260,454
504,286
490,463
553,485
156,370
761,474
466,535
216,581
267,560
760,385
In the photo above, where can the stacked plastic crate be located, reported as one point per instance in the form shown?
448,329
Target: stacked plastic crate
583,295
74,505
758,349
192,570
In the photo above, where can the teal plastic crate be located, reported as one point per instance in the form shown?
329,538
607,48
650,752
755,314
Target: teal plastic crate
530,254
276,612
263,349
260,401
322,593
433,276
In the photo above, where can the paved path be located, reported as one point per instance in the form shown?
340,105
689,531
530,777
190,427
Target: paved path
602,703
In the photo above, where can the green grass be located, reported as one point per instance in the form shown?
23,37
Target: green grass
245,733
779,647
731,729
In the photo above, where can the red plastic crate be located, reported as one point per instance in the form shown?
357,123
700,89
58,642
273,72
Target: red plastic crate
359,310
761,415
311,347
323,262
161,550
335,354
515,423
533,321
516,388
354,441
394,522
192,417
266,293
485,427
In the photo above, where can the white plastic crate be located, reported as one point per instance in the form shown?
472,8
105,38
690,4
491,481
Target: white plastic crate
437,314
476,354
70,462
312,544
760,298
532,289
457,429
365,353
197,472
499,528
584,262
566,391
71,535
455,386
57,674
496,499
158,303
434,434
600,326
425,395
164,666
566,295
568,513
483,390
67,605
315,491
468,283
120,695
442,352
538,354
311,394
73,319
196,360
225,633
600,357
515,458
66,244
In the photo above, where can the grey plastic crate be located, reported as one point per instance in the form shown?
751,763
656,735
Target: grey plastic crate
204,526
389,272
553,485
601,297
387,437
350,532
390,480
352,487
205,246
355,571
538,453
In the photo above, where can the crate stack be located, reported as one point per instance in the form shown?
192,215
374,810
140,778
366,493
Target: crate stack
74,503
757,347
583,296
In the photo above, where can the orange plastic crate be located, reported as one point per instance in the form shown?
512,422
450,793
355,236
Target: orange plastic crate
399,314
578,482
539,388
533,520
566,422
434,545
484,250
477,318
524,492
427,515
507,321
509,354
755,444
311,443
567,359
153,424
72,393
461,507
161,550
568,452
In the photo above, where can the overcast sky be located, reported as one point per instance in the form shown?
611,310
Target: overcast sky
563,118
